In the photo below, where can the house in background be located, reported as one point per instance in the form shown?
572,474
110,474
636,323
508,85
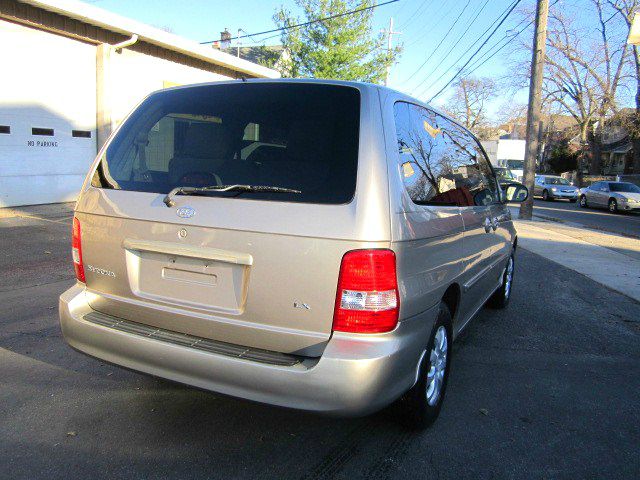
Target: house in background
71,72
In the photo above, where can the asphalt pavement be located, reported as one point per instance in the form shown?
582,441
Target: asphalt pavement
547,388
624,223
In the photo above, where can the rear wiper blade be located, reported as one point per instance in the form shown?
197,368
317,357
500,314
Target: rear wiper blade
169,202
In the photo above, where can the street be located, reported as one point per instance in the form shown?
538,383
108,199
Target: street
547,388
598,218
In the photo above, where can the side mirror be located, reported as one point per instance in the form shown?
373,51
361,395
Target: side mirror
516,192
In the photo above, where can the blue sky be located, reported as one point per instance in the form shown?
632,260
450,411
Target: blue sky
423,23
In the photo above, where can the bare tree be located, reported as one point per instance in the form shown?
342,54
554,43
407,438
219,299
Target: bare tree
470,101
627,9
585,67
510,112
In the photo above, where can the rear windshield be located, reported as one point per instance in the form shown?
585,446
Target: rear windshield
503,173
298,136
515,164
555,181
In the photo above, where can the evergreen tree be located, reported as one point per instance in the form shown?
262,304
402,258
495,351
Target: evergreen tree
342,48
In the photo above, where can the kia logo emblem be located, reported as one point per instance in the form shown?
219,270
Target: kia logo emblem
185,212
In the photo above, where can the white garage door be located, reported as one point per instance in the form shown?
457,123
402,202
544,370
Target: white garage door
47,115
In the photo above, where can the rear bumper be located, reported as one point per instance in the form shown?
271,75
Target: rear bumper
356,375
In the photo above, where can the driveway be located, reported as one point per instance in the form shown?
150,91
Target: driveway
547,388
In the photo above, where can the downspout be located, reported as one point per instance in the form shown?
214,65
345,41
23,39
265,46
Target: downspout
103,88
127,43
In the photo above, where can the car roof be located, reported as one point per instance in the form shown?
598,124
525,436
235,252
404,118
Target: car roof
322,81
318,81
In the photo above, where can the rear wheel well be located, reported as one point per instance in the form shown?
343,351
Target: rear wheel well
451,298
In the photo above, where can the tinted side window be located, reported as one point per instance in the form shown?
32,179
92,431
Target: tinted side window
489,179
472,173
441,163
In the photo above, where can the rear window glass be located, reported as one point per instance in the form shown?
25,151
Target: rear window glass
298,136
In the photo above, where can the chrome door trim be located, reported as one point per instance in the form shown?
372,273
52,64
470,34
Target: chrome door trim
473,280
180,250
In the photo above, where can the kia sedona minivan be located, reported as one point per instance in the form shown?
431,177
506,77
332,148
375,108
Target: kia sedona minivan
310,244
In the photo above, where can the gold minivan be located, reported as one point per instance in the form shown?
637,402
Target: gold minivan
305,243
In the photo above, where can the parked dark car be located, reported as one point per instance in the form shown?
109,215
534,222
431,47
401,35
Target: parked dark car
505,177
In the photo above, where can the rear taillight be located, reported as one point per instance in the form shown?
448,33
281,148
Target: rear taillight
367,298
76,250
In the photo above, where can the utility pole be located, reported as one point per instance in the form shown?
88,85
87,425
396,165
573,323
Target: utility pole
238,42
390,33
535,101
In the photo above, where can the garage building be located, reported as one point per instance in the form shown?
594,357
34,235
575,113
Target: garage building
70,73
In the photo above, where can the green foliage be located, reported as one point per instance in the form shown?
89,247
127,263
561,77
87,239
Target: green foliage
562,158
342,48
265,56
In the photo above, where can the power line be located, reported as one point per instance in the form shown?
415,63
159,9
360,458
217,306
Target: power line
504,18
502,15
473,66
475,42
441,41
404,4
289,27
414,15
428,31
454,45
477,65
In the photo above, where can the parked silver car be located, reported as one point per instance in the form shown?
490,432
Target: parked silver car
552,187
614,196
328,269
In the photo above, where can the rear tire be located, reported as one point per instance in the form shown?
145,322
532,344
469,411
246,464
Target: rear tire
421,405
613,205
546,197
501,297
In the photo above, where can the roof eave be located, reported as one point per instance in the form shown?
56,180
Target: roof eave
110,21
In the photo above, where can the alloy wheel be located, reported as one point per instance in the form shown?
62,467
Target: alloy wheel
437,366
508,278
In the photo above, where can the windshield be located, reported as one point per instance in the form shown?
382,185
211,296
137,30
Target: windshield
504,173
515,164
555,181
302,137
624,187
